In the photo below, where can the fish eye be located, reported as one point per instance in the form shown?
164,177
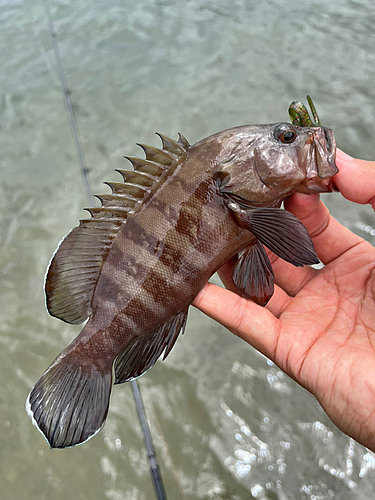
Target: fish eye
285,134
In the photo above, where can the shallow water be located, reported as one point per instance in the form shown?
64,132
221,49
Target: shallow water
227,424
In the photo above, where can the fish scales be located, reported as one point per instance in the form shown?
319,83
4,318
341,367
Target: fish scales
140,287
137,265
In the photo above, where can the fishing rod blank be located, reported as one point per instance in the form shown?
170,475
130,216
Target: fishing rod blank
154,467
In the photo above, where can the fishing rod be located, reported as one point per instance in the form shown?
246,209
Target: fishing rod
151,455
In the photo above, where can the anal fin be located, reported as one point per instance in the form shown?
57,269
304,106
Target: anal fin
141,353
253,275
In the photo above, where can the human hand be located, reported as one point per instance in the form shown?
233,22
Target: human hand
319,326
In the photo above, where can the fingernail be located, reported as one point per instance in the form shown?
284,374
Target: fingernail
343,156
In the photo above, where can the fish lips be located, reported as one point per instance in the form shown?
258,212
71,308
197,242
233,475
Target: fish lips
319,158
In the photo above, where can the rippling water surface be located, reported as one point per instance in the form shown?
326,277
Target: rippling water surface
227,423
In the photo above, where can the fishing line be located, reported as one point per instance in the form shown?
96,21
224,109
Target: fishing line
154,467
69,109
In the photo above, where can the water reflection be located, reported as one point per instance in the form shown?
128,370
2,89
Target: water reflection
227,423
259,448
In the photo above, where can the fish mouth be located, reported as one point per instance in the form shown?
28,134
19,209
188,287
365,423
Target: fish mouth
324,186
320,156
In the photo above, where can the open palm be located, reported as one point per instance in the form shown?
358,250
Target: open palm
319,327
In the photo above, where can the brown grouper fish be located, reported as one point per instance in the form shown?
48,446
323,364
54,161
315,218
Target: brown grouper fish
136,265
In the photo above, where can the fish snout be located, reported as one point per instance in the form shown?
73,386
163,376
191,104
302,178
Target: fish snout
319,160
325,150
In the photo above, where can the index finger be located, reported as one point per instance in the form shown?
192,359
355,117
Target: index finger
254,324
355,179
356,182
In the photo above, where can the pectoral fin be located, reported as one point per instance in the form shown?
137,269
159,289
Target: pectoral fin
253,275
281,232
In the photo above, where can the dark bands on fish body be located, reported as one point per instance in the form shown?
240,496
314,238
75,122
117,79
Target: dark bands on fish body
137,265
161,281
141,313
172,256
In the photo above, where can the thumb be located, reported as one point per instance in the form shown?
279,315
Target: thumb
355,179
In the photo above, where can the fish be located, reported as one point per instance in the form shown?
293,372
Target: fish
133,269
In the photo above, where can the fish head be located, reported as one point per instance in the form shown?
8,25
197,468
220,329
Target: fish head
267,163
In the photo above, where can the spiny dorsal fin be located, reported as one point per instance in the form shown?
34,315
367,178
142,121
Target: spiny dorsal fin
75,267
148,167
158,155
183,142
128,188
116,200
119,213
171,145
138,178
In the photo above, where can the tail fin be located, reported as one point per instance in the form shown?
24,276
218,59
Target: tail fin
69,403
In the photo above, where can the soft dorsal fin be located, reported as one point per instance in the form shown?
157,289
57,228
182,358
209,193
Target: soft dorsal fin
75,267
